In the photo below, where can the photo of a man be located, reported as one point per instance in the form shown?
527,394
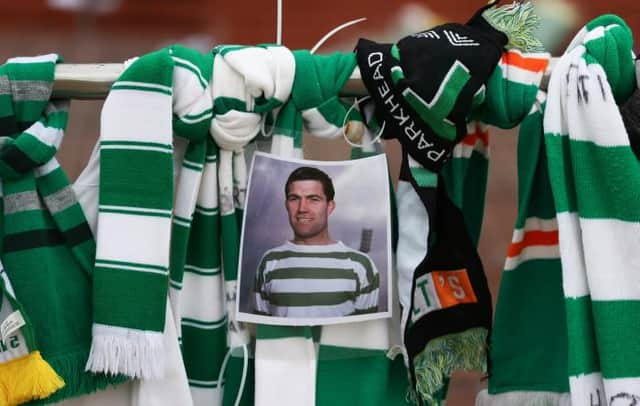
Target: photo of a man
316,242
313,275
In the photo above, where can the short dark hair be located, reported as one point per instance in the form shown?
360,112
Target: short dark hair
309,173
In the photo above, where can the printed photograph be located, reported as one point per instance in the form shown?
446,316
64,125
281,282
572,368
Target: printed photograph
315,243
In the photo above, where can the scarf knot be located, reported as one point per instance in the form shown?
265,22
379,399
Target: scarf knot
247,82
35,134
608,41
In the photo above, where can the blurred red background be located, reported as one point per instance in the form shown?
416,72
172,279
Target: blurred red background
90,31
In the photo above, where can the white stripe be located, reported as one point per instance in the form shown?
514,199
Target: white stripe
288,379
371,335
134,245
203,297
574,273
519,75
318,125
587,390
135,209
47,135
34,59
133,115
129,267
144,84
413,229
530,253
187,192
622,391
208,190
613,265
206,396
534,224
204,326
301,285
137,148
47,168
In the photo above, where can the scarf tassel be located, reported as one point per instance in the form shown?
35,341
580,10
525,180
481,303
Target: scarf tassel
442,356
132,353
26,378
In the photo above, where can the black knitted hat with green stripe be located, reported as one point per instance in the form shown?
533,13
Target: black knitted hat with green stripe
425,86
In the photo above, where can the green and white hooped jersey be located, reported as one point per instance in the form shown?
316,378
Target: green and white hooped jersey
316,281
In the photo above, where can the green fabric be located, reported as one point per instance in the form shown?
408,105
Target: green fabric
530,301
45,233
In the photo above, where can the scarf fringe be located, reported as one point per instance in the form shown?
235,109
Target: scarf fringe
443,355
523,398
134,353
26,378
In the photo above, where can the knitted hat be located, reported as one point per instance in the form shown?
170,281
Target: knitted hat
425,85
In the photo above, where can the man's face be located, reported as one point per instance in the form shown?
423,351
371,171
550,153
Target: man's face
308,208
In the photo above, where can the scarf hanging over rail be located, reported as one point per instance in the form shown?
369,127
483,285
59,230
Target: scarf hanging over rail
48,248
136,204
595,182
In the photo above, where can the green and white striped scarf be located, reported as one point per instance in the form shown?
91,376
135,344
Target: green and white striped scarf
530,289
530,306
48,248
595,181
158,94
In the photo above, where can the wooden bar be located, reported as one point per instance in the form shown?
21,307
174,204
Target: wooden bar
93,81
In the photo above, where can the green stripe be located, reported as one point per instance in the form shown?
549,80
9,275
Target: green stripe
354,256
119,165
369,310
117,86
617,337
583,351
144,295
607,179
203,351
424,177
444,129
311,273
530,330
308,299
264,332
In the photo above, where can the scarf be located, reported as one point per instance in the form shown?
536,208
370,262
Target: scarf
23,372
247,83
135,204
594,178
530,300
44,228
